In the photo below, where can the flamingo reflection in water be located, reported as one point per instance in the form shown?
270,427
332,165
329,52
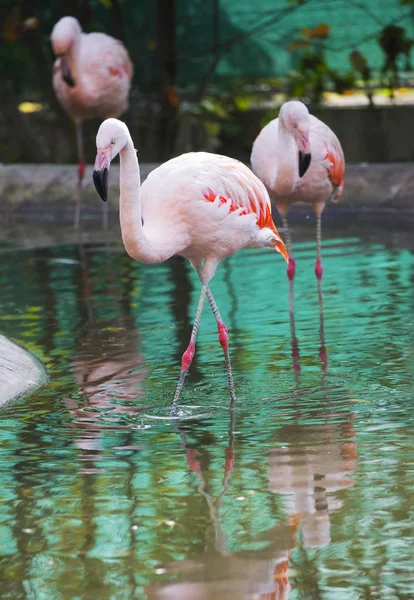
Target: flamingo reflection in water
309,473
310,476
220,573
108,367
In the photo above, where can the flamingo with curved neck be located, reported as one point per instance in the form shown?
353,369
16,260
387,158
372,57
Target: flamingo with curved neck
202,206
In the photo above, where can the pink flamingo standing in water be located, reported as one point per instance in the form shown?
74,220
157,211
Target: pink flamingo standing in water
300,159
91,77
202,206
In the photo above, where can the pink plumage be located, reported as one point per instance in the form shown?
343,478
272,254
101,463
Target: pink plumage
203,206
299,159
91,77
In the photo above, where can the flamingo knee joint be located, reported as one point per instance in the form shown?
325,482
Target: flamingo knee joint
188,357
223,336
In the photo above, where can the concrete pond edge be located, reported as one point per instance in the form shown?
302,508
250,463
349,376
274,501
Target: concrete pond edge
48,191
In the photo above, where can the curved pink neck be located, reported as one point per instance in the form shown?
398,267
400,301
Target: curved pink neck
146,243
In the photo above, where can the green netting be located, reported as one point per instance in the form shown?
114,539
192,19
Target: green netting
215,39
274,24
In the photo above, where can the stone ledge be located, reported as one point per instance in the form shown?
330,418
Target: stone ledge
20,372
51,190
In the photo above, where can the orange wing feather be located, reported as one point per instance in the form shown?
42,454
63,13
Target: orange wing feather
336,169
264,218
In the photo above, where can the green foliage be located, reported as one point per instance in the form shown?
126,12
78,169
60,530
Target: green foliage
313,75
396,45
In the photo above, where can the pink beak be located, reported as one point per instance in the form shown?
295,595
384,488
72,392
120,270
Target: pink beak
100,172
103,159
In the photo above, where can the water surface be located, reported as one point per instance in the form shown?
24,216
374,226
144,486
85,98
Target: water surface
304,490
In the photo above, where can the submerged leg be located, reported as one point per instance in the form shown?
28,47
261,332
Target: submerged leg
318,273
318,265
223,339
291,275
189,353
322,350
81,173
291,265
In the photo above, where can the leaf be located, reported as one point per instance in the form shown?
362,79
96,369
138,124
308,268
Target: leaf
242,104
212,129
320,32
298,45
171,96
11,27
30,107
358,61
214,108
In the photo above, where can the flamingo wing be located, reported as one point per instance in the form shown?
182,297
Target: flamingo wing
104,61
243,193
328,151
118,62
335,166
201,177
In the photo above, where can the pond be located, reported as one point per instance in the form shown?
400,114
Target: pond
302,490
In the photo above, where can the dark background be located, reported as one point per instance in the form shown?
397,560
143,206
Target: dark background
210,73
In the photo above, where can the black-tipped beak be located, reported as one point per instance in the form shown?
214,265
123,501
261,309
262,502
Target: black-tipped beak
304,162
100,179
66,72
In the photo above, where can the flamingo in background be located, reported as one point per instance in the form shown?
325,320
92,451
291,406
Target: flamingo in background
91,77
299,159
202,206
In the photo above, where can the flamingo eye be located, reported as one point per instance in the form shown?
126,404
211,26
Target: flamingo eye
113,141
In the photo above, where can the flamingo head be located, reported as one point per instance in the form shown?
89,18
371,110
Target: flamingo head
112,137
295,118
63,36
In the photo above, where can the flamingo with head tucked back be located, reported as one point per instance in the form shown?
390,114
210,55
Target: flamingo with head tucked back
91,77
202,206
299,159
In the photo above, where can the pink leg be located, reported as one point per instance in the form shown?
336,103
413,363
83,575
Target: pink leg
189,353
81,170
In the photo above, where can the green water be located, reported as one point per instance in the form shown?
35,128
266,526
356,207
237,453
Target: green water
303,491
